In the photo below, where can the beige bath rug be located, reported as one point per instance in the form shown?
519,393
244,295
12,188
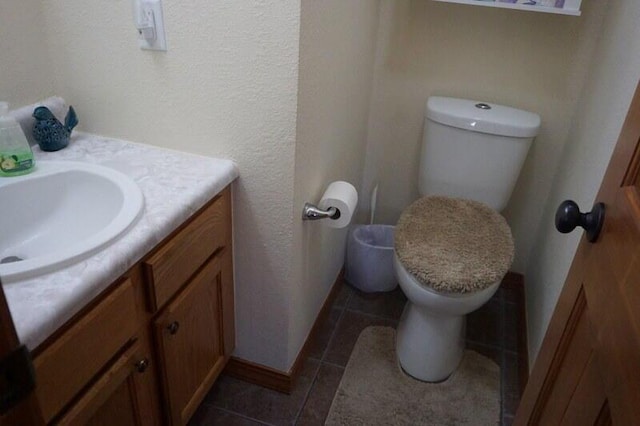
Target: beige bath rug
375,391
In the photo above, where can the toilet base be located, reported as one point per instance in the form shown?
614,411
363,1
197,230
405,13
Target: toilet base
429,347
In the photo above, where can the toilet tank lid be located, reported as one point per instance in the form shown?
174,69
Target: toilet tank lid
482,117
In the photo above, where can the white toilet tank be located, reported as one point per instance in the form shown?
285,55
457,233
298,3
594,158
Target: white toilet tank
474,150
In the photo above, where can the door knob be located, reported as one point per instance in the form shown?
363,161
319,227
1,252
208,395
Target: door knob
142,365
173,327
568,216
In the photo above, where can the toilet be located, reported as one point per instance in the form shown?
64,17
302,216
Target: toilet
452,247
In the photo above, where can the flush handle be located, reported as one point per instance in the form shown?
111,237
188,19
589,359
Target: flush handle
568,217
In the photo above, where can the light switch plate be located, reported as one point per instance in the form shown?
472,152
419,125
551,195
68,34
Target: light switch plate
152,11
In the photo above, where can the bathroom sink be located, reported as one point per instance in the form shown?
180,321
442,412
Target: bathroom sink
61,213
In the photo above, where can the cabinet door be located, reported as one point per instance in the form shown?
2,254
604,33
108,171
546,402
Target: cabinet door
85,348
190,335
118,396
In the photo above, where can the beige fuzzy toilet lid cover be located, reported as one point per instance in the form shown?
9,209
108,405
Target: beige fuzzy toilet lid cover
454,245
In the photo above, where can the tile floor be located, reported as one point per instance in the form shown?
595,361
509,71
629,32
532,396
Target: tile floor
490,331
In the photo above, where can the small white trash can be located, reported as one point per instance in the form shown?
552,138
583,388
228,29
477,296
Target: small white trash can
369,263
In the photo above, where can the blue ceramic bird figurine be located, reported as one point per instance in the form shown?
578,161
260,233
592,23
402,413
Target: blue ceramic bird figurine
49,132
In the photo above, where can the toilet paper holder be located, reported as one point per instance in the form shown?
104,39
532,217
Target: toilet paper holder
312,212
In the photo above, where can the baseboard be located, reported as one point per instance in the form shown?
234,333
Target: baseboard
259,374
515,281
275,379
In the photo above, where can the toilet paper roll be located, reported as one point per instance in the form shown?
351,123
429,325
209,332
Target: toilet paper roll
344,197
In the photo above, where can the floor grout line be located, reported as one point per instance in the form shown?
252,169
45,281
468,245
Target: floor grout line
244,416
324,352
484,345
354,311
491,346
333,364
503,384
306,396
335,328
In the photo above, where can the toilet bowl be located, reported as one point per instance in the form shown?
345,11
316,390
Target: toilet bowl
452,246
431,333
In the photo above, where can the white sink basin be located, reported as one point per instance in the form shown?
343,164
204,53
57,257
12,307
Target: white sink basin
61,213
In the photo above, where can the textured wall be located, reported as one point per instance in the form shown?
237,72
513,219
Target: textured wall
533,61
25,67
614,73
337,46
226,87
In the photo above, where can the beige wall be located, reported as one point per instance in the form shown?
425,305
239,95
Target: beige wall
226,87
25,65
337,46
613,76
533,61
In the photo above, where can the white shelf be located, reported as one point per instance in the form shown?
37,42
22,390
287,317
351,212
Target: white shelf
571,7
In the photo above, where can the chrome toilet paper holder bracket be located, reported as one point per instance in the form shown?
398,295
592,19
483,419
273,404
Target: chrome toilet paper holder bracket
311,212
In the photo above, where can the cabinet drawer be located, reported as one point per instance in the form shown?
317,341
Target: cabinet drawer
85,348
170,267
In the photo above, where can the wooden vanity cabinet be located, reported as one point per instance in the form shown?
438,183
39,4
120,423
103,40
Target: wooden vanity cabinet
149,348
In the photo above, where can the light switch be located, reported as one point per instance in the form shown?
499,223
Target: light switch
148,19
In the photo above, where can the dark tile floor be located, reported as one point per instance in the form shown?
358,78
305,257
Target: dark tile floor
491,331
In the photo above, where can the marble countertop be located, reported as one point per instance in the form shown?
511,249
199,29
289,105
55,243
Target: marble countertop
174,184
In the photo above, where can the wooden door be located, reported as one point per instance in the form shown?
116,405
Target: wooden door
588,368
191,339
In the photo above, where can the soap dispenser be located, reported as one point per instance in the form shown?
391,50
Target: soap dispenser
16,157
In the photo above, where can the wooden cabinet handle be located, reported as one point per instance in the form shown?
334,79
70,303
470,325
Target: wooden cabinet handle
142,365
173,327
